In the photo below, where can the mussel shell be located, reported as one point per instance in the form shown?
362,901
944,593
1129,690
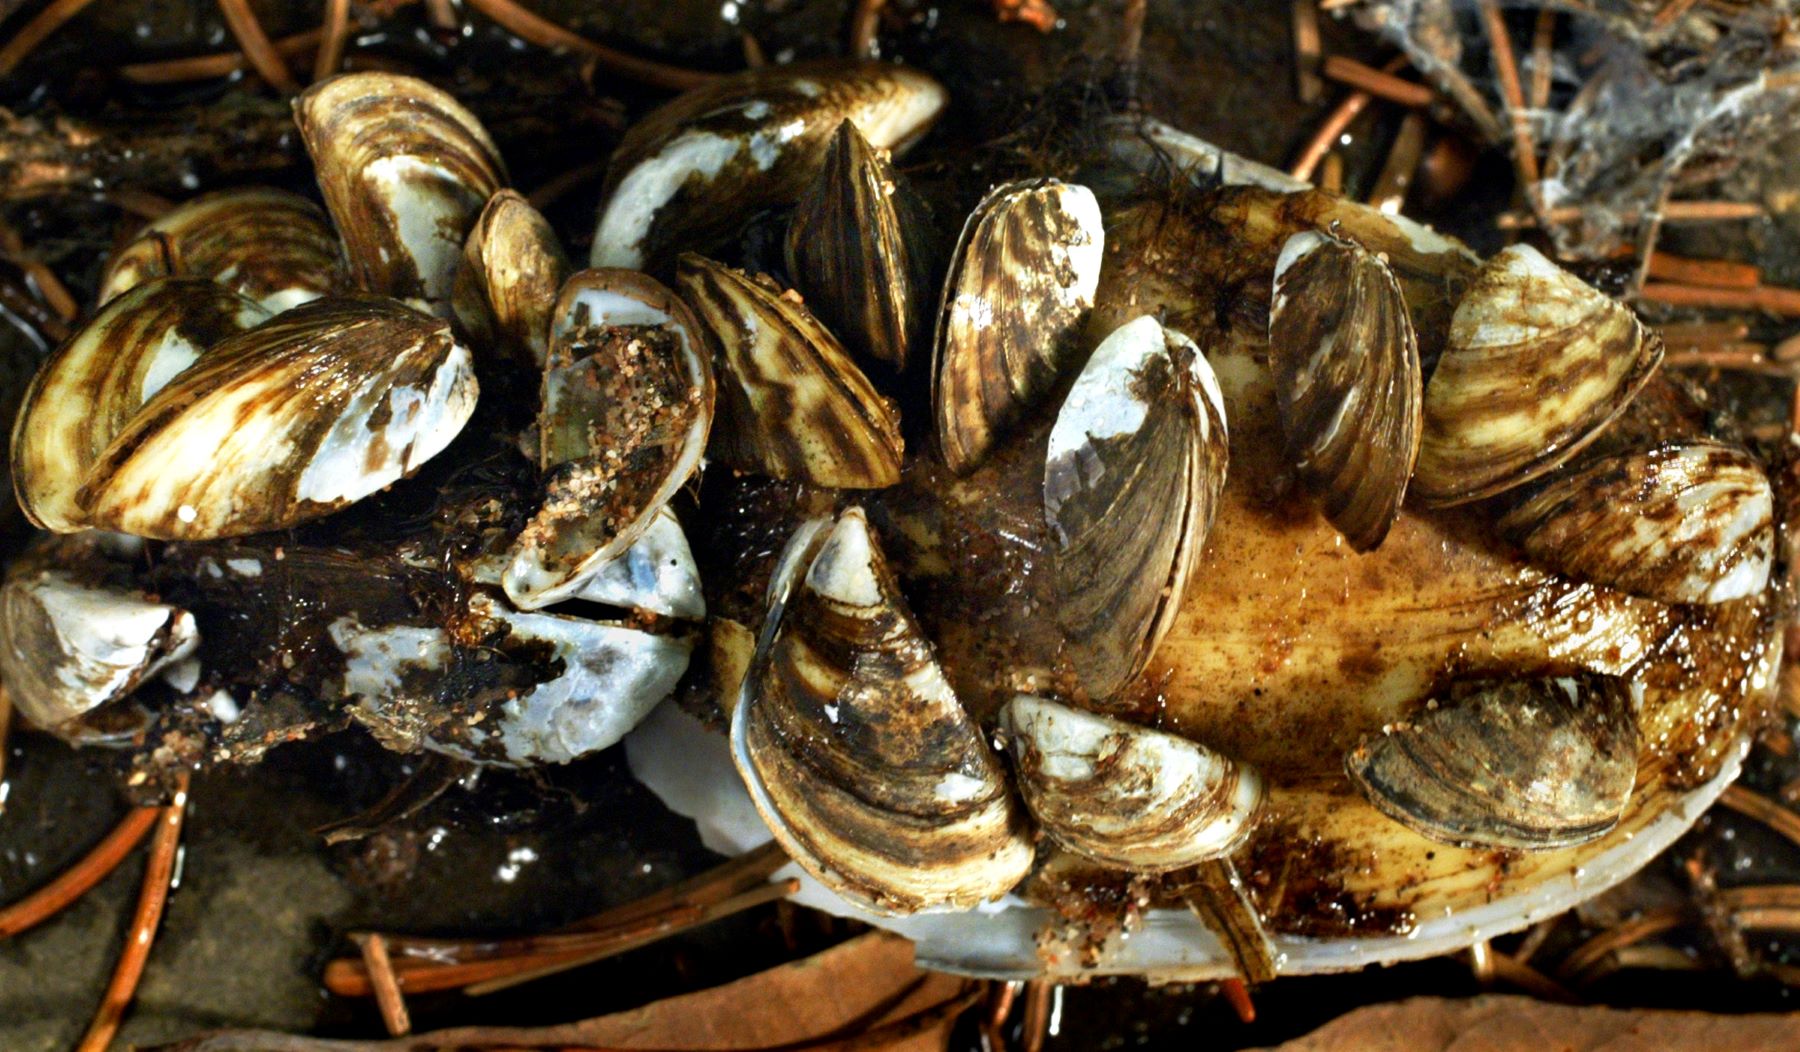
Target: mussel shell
627,406
405,171
792,404
656,574
1020,287
690,173
267,245
1347,381
1536,365
86,391
305,414
1125,795
855,749
1531,764
849,249
1683,522
1133,472
512,269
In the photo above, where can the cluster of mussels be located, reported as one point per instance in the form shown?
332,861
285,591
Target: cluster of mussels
227,451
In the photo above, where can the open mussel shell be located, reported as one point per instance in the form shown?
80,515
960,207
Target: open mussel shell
405,170
86,391
1684,522
792,404
849,249
1536,365
1020,288
855,749
1135,465
305,414
1347,381
512,269
1537,763
690,173
267,245
627,406
1125,795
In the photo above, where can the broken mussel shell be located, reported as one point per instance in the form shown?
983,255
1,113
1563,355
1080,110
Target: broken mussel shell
855,749
1350,392
689,174
1689,521
305,414
405,171
91,386
1125,795
1537,364
512,269
850,251
1537,763
268,245
1133,473
1019,291
792,404
626,409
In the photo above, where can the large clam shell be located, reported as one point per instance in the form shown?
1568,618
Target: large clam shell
791,402
1533,764
1346,366
1124,795
855,749
268,245
1536,365
1684,522
690,173
1020,287
305,414
512,269
405,170
849,249
627,405
87,390
1135,465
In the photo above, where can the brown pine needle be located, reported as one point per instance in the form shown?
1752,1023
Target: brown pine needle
257,47
1307,84
1717,273
1769,299
1395,180
333,34
35,32
1036,1023
77,880
863,23
1543,36
530,27
1327,136
1239,995
1524,146
50,288
1673,212
387,989
1380,83
142,933
1590,953
207,67
1753,804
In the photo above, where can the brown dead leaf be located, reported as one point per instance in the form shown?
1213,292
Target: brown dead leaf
867,986
1520,1024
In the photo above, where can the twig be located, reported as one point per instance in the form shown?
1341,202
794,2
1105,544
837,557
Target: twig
208,67
35,32
257,47
1307,83
77,880
537,30
863,23
388,997
333,35
1380,83
1524,145
1543,37
1396,177
142,933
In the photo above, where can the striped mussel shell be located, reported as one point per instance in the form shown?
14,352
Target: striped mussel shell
1125,795
1347,381
855,749
853,247
512,269
1686,521
1020,288
688,175
1535,764
267,245
1133,473
303,415
792,403
1536,366
94,384
626,408
405,171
